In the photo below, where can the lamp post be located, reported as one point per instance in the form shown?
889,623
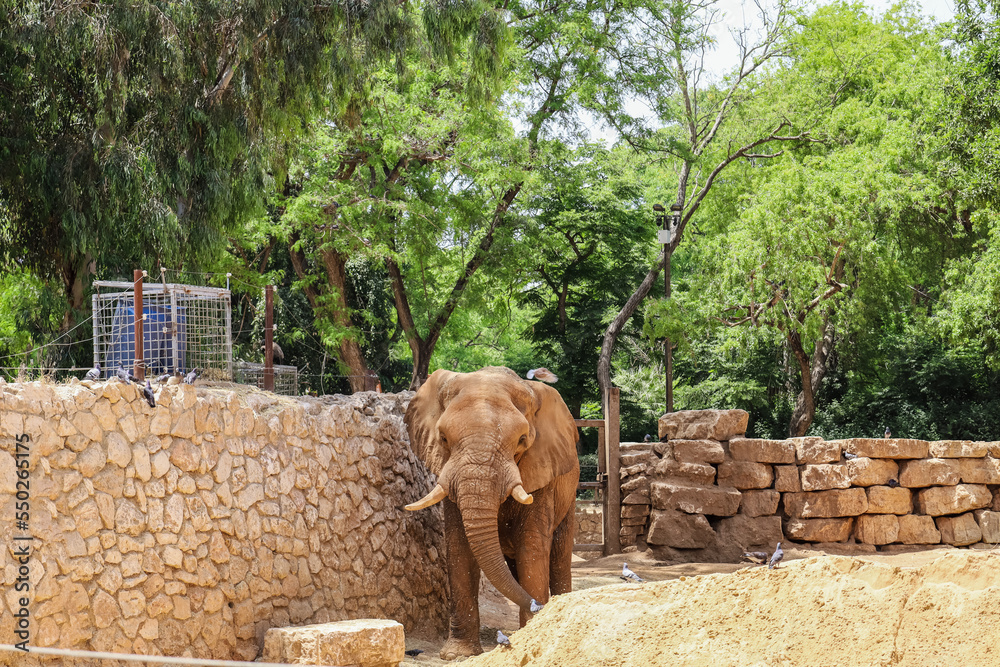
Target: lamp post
665,236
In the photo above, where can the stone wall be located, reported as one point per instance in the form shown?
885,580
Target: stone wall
705,492
193,527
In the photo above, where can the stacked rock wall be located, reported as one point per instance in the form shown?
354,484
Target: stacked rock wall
193,527
714,493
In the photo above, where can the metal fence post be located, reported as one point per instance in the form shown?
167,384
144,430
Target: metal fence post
138,366
269,338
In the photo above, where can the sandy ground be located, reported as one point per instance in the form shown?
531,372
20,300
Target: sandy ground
928,607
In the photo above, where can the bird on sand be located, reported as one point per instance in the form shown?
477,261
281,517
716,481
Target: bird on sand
147,392
535,607
629,575
502,639
888,433
776,557
413,652
756,557
94,373
543,374
849,456
191,377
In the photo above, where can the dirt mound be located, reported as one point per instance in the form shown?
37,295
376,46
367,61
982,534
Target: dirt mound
830,610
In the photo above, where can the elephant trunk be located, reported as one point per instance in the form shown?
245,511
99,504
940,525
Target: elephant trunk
479,517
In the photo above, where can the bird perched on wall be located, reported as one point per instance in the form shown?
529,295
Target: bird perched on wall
122,374
776,557
849,456
413,652
888,433
191,377
892,484
756,557
629,575
94,373
535,607
276,352
647,438
147,392
163,378
502,639
543,374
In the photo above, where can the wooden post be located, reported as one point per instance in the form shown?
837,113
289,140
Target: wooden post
138,367
613,499
269,338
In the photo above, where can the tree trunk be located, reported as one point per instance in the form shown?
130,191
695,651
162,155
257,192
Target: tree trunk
75,275
812,371
350,351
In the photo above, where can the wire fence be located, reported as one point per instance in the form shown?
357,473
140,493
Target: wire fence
286,378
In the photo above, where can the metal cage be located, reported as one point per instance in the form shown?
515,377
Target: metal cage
184,326
286,378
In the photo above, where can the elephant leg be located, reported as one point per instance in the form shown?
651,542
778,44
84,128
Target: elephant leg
561,558
463,577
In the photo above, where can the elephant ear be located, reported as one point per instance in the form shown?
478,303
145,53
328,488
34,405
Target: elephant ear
421,421
553,452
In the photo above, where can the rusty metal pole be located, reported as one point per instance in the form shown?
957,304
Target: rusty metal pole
138,367
269,338
613,491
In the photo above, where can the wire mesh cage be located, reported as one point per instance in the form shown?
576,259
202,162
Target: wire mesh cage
286,378
184,327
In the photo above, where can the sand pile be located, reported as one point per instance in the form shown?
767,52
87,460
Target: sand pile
830,610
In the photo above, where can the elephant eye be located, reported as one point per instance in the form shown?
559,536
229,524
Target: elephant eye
444,440
522,441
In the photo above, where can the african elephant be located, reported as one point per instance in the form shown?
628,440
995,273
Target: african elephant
504,452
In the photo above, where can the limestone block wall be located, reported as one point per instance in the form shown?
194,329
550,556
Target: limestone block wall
713,493
193,527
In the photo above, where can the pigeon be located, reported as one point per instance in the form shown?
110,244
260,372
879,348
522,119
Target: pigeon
413,652
776,557
502,639
647,438
849,456
163,378
122,374
147,391
892,484
94,373
757,557
888,433
191,377
535,607
629,575
543,374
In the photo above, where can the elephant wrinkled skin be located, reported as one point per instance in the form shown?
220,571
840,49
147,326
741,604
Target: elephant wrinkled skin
504,452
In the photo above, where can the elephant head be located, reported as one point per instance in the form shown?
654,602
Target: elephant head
489,436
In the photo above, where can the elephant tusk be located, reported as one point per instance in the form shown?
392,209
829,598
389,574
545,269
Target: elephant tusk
520,495
436,495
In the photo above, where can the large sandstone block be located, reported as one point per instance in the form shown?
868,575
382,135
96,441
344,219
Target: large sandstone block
711,500
762,451
673,528
786,478
956,449
824,476
816,450
826,504
819,530
887,448
993,448
363,642
929,472
876,528
940,500
918,529
864,471
979,471
745,474
989,524
698,473
888,500
703,424
763,502
959,530
748,533
698,451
